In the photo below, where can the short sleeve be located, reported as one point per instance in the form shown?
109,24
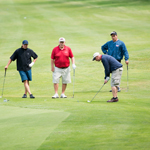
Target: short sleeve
14,56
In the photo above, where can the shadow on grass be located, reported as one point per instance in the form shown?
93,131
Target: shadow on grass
79,3
118,3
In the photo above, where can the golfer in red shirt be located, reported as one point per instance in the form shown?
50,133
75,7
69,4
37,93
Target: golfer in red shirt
60,66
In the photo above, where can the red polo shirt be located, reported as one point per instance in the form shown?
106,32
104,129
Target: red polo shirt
61,57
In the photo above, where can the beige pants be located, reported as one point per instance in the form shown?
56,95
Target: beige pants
116,77
64,73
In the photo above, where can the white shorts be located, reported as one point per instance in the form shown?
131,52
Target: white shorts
64,73
116,77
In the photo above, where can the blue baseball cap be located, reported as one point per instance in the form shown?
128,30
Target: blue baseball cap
25,42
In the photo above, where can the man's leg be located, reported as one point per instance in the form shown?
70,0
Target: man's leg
56,88
64,88
115,82
114,91
65,80
56,91
56,77
63,91
118,89
27,88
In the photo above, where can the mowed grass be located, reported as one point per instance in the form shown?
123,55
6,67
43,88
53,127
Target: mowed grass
72,123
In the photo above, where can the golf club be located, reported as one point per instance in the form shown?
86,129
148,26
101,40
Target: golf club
73,81
95,94
127,79
3,83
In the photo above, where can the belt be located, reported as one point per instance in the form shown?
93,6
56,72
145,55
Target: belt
63,68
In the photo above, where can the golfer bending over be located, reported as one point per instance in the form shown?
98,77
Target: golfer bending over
23,56
60,58
111,65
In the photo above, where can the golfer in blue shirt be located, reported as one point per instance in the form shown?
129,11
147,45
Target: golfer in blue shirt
117,49
113,67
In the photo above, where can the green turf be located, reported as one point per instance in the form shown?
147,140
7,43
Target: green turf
72,123
23,128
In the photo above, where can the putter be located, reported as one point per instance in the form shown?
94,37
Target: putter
127,79
95,94
3,83
73,81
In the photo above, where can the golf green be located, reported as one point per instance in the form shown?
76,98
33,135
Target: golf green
24,128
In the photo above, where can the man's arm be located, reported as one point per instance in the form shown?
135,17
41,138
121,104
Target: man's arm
34,60
12,58
73,60
8,63
125,53
31,64
34,56
107,70
104,48
73,63
52,65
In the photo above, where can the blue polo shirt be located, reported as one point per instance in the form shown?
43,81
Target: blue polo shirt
110,64
115,49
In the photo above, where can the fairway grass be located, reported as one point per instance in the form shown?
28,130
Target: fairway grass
44,123
23,128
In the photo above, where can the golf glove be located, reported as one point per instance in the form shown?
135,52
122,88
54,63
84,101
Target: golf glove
30,65
73,66
107,78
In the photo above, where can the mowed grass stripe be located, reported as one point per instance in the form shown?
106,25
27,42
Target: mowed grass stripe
24,128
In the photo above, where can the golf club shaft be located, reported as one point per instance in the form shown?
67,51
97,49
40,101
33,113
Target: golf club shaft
73,81
3,82
97,92
127,78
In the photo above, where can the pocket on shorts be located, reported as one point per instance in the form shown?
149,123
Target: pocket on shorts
116,82
120,69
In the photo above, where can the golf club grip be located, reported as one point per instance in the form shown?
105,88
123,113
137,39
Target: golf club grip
5,72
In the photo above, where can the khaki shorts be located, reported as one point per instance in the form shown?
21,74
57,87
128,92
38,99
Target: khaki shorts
64,73
116,77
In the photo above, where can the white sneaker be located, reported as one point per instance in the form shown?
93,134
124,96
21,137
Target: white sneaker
63,96
55,96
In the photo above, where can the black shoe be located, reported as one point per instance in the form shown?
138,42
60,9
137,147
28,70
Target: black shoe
24,96
31,96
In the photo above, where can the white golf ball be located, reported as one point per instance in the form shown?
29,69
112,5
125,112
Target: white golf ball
25,17
0,96
88,101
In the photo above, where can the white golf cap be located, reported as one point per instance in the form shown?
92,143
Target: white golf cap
61,39
95,54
